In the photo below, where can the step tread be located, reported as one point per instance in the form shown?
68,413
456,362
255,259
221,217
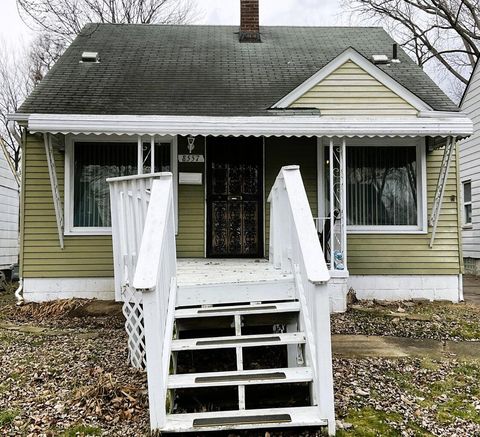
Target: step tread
231,310
244,419
238,340
240,377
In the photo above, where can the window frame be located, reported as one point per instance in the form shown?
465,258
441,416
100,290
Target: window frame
465,224
421,167
69,186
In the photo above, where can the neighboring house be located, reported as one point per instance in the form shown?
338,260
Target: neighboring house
470,177
250,135
9,217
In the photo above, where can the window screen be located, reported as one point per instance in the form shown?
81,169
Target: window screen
381,186
94,163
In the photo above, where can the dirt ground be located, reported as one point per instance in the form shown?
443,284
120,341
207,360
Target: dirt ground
64,372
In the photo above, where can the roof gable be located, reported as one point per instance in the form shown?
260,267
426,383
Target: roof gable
352,85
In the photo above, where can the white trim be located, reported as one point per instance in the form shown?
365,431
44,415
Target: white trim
174,170
45,289
465,224
421,169
284,125
70,141
264,198
351,54
139,155
321,202
205,212
405,287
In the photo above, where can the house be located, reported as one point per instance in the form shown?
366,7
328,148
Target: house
9,217
203,150
470,178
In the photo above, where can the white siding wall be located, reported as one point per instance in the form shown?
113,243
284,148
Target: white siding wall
9,211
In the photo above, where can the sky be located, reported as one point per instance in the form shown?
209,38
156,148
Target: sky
272,12
14,33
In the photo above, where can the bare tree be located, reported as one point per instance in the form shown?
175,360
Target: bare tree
15,84
67,17
21,69
44,52
57,23
438,33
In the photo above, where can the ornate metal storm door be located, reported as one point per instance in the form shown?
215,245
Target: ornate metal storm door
234,197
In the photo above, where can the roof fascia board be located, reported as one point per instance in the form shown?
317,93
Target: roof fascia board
442,125
351,54
470,81
17,117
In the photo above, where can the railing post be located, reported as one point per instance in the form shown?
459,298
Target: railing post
343,200
323,350
284,236
153,345
332,205
338,199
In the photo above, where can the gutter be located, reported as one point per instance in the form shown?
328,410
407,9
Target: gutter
435,124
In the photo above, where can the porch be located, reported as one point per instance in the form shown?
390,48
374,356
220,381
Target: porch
369,239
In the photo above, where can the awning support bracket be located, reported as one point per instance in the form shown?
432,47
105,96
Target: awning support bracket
57,201
441,183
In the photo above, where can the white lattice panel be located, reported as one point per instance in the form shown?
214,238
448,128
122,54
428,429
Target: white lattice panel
129,199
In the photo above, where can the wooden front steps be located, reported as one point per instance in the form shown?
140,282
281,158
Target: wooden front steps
244,365
244,377
244,419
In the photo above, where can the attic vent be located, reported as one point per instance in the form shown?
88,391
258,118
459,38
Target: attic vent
90,57
380,59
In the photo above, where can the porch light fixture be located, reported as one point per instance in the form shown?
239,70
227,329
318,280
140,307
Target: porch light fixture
191,143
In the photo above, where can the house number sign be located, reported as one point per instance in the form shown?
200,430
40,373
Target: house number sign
191,158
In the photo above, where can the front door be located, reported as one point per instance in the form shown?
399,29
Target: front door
235,197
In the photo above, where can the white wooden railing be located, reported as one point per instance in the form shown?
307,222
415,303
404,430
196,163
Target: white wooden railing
155,277
129,200
295,248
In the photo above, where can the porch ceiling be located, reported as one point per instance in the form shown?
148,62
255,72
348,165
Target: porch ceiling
432,123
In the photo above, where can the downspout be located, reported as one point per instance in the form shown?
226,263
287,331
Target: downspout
23,145
19,293
459,225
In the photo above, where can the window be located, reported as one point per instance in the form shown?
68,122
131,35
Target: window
89,163
93,164
467,203
161,156
384,189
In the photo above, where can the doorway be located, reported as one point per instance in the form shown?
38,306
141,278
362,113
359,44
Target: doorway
234,197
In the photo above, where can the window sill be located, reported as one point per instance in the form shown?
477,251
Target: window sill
88,232
387,231
467,226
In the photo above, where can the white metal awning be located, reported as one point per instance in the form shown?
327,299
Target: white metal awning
431,123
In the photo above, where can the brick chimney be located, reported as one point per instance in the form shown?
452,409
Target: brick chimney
249,21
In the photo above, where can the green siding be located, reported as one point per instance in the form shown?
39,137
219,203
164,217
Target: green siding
290,151
409,254
41,257
191,206
91,256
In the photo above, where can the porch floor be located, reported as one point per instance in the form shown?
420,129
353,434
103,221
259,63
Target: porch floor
201,271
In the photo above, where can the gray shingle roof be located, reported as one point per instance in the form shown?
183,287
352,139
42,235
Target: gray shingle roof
204,70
